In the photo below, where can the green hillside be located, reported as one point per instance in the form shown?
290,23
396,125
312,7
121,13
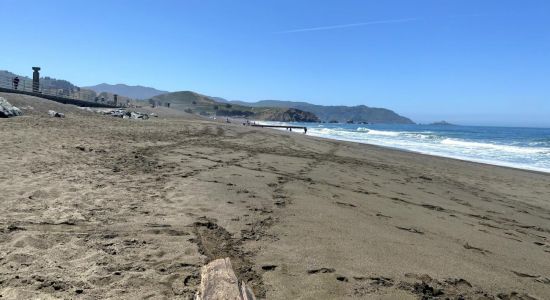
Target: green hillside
204,105
128,91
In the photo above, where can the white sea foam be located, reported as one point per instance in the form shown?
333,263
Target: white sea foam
385,133
495,147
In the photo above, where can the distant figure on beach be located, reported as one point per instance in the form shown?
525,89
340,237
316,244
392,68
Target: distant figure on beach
15,82
227,121
305,130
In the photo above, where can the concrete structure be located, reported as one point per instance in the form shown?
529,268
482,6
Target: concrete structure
35,79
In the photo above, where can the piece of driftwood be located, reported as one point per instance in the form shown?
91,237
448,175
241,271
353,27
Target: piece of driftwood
218,282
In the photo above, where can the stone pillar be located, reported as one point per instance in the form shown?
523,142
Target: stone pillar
35,79
115,96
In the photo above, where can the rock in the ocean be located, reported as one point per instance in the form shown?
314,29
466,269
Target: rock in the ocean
7,110
53,113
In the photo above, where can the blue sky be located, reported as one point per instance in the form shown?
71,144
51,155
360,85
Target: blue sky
481,62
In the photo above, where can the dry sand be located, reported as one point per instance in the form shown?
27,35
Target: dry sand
94,207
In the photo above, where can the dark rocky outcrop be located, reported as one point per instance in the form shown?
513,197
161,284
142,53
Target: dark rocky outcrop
291,115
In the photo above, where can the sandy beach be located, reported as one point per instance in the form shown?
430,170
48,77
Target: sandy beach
96,207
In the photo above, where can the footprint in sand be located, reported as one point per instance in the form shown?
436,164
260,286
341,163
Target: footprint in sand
410,229
480,250
269,267
321,270
342,278
520,274
344,204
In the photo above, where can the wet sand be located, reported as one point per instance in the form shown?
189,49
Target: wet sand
96,207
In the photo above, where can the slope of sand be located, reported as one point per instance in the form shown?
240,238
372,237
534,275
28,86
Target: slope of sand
94,207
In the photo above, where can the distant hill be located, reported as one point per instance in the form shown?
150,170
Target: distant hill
134,92
192,102
206,105
342,114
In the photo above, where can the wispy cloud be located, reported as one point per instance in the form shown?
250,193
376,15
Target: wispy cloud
332,27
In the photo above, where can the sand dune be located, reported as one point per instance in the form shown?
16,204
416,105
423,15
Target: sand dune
96,207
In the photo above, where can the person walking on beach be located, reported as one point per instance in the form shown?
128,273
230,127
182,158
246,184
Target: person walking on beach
15,82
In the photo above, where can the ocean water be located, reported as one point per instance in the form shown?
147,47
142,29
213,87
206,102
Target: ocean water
524,148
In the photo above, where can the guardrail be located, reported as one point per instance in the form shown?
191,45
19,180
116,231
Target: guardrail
75,96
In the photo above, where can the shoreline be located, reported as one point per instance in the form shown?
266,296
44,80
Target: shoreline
457,157
480,162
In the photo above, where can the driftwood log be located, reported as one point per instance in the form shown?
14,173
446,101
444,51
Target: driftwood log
218,282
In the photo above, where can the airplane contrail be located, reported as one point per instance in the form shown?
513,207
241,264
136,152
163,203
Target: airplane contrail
349,25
